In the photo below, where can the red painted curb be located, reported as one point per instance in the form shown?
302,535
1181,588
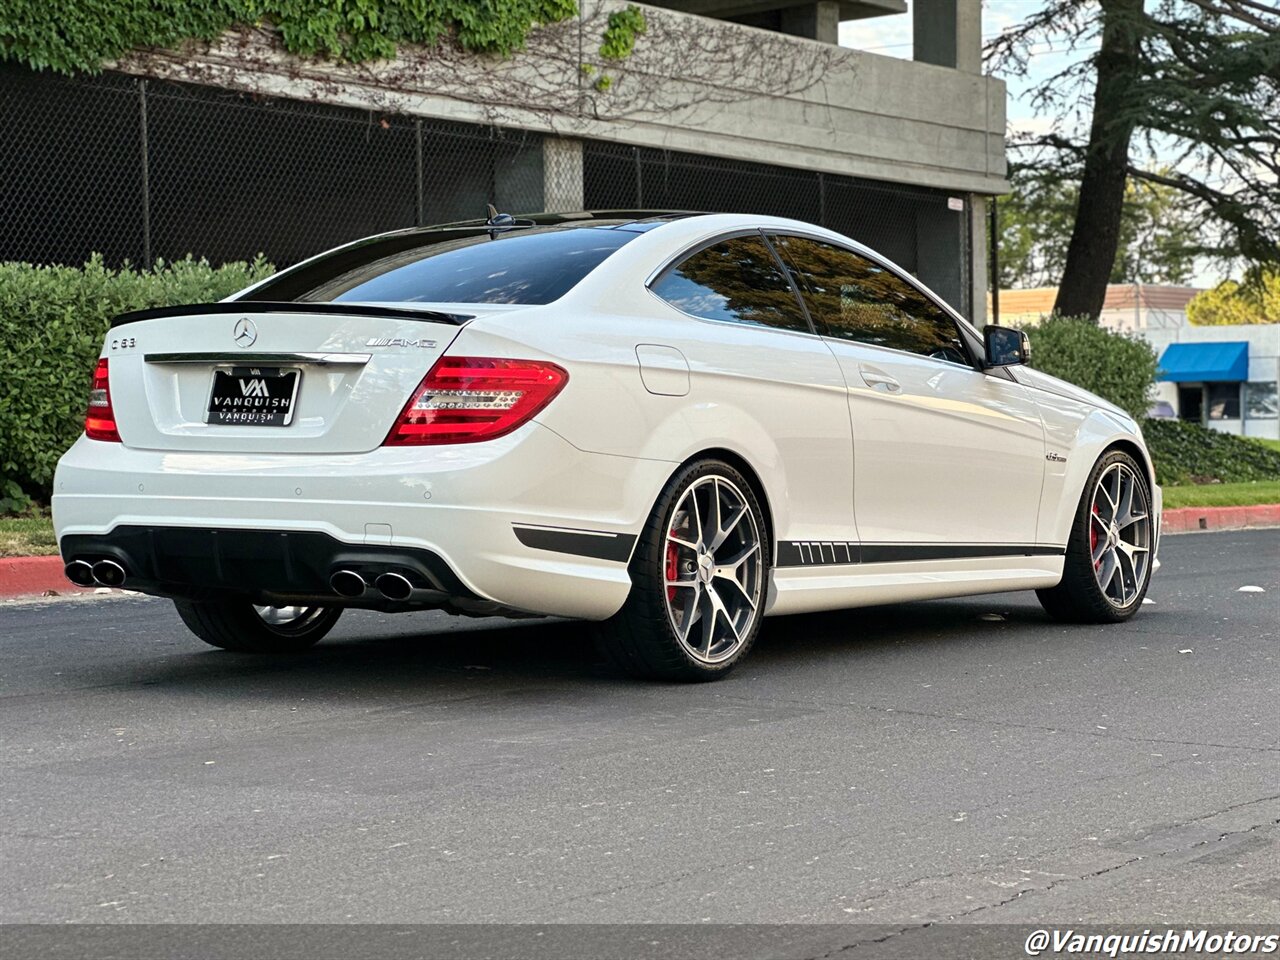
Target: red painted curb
32,576
1194,519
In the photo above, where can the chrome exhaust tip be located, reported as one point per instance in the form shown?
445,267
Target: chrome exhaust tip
394,586
108,573
348,583
79,572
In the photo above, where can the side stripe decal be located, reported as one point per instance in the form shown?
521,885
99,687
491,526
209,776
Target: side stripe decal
806,553
582,543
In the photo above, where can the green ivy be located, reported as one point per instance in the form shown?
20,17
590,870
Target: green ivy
624,28
52,323
81,35
1189,453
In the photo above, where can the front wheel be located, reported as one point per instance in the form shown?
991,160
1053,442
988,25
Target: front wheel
1108,562
698,580
243,627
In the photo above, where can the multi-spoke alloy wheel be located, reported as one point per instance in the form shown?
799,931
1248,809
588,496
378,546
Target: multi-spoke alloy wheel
289,619
1109,553
698,579
1120,534
249,628
713,568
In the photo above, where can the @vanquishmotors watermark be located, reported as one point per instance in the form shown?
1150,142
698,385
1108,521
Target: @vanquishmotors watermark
1049,942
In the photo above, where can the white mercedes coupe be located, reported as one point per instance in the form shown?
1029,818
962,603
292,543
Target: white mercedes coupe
672,424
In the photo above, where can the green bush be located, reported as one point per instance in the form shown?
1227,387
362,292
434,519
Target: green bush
1189,453
52,324
1116,367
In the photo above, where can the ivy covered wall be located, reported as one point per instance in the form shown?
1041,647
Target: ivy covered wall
81,35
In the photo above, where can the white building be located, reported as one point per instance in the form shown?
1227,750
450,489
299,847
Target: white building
1223,377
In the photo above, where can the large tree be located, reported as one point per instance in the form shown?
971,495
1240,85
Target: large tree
1159,237
1257,300
1181,93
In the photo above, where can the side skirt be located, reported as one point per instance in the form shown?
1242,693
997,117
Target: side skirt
835,586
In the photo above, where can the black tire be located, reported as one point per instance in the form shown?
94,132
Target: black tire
236,626
1079,598
641,640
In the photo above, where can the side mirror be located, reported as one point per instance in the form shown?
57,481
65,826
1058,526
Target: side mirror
1005,346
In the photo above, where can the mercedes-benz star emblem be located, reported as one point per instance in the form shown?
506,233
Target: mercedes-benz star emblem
245,332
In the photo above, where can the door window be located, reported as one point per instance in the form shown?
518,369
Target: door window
854,298
736,280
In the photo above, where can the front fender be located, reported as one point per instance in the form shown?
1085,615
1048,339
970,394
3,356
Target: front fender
1082,434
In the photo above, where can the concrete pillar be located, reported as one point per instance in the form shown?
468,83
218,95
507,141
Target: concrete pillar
979,245
948,33
817,21
562,178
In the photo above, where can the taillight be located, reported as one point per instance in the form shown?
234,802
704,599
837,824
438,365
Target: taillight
100,419
464,399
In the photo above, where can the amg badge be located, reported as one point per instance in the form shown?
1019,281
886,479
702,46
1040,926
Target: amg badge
1055,458
398,342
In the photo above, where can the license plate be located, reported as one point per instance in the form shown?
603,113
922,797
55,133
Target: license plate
253,397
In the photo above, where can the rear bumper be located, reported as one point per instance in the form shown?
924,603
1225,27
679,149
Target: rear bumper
275,567
275,526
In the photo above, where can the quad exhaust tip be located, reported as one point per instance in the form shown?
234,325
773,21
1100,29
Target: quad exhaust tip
348,583
394,586
80,573
108,573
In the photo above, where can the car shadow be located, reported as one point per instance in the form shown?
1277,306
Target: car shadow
389,657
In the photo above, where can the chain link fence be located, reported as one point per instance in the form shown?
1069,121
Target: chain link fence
139,170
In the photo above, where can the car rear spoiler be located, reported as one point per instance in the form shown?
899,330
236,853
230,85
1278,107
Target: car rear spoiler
268,306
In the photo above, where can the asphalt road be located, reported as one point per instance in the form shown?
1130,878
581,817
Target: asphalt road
902,765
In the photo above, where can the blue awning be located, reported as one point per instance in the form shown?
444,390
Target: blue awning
1205,362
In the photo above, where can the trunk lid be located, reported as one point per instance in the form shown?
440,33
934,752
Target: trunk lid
353,369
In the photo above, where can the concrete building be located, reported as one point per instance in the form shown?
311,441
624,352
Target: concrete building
1222,377
229,148
1128,307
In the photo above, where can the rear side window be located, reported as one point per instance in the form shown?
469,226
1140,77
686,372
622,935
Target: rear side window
736,280
523,268
854,298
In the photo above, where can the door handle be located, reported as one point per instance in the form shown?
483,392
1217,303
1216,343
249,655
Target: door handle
878,379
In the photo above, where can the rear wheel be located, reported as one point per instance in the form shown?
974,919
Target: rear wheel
243,627
698,580
1108,563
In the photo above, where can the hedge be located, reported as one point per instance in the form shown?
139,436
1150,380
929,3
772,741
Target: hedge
52,324
1189,453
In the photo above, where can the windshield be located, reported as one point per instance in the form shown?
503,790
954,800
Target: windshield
528,267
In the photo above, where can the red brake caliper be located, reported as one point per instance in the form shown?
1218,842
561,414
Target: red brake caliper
1093,539
673,565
